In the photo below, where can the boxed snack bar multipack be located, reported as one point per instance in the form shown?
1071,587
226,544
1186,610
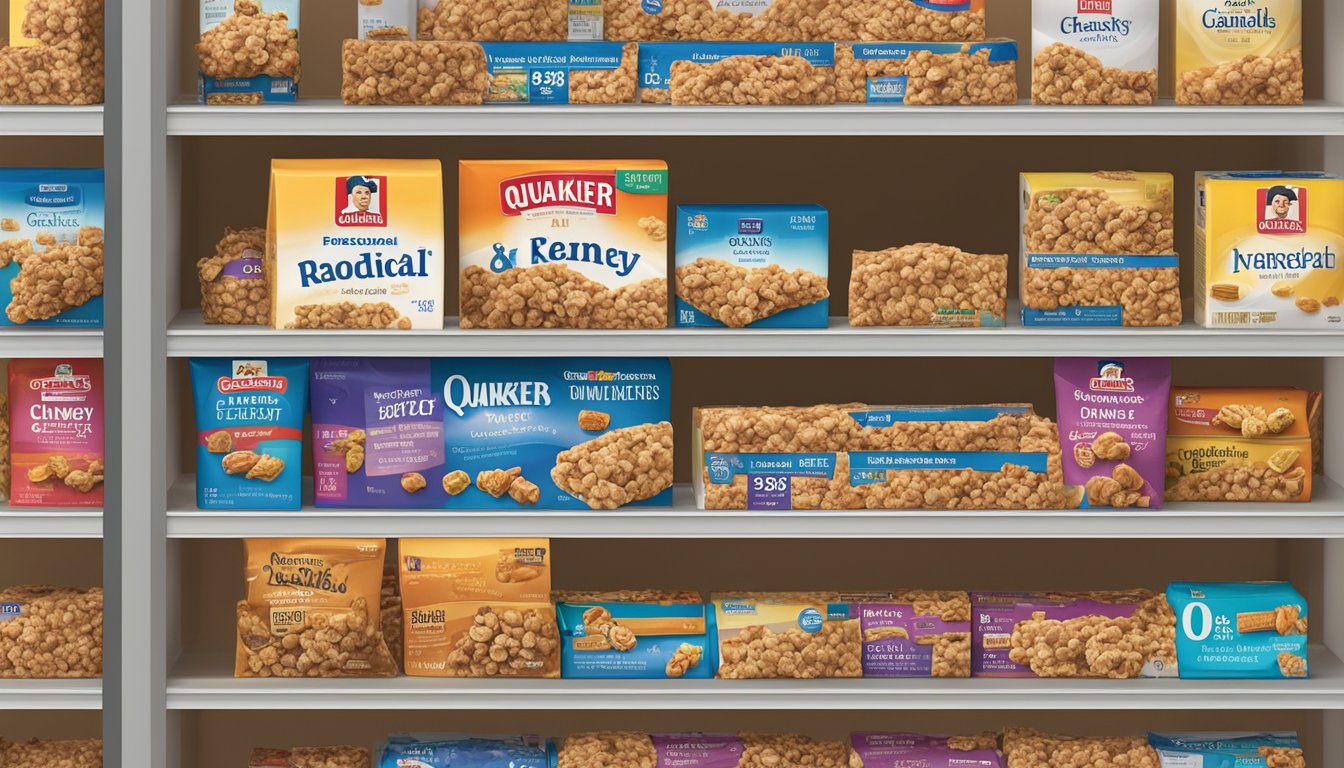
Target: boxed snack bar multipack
478,608
763,266
1245,52
1103,52
312,609
249,432
1112,429
1098,249
51,247
930,285
356,244
774,20
248,52
1267,250
451,750
1238,444
737,73
916,633
1028,748
56,432
699,750
904,750
640,634
1111,634
1240,630
563,243
561,73
50,632
857,456
926,73
1270,749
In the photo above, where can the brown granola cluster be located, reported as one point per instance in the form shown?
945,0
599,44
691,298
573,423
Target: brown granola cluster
1062,74
737,296
311,757
66,67
1252,79
836,650
617,468
328,644
349,315
58,278
791,20
250,43
607,86
1098,646
507,641
920,284
752,80
555,296
232,300
496,20
1258,481
1028,748
58,634
86,753
424,72
932,78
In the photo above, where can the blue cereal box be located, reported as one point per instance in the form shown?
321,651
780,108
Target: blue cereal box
577,433
265,73
862,73
1277,749
763,266
249,428
561,73
51,247
451,750
1241,630
637,635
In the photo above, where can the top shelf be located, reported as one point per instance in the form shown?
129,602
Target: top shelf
329,117
51,121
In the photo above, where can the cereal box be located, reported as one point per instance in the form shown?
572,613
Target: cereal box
1240,630
563,243
1242,52
762,266
249,432
916,633
312,609
467,599
926,73
248,52
810,20
1267,250
1114,634
1234,444
1098,249
356,244
386,19
56,449
639,634
1094,51
561,73
737,73
51,247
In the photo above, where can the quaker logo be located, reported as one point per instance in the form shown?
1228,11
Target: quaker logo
1111,378
361,201
251,376
63,378
698,222
750,226
1095,6
593,192
1281,210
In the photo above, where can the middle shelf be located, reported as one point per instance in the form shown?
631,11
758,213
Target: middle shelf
1322,517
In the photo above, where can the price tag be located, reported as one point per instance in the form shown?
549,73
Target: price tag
769,492
548,86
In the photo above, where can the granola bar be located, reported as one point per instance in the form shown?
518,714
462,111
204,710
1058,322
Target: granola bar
619,467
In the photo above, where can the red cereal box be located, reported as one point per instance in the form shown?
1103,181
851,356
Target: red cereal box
56,415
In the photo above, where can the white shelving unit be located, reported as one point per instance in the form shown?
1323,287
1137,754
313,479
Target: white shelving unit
50,121
49,523
53,342
50,694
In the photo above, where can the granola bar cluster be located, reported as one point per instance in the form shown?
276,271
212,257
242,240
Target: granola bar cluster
1098,646
1257,481
737,296
323,646
1252,79
1063,74
608,86
925,284
830,428
66,67
752,80
490,20
58,634
790,20
311,757
348,315
555,296
1029,748
424,72
226,297
250,43
57,278
629,749
506,641
619,467
931,78
36,753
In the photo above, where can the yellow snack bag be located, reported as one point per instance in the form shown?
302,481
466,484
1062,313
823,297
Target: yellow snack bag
1267,248
1243,52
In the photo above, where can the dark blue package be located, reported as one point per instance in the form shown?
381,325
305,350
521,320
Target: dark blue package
451,750
1227,750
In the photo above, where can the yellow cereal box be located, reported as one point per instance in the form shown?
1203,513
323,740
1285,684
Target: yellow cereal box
563,243
356,244
1238,51
1267,250
1238,444
18,9
478,608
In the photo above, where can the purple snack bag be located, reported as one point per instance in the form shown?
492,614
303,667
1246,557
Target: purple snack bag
697,750
1112,417
917,750
377,434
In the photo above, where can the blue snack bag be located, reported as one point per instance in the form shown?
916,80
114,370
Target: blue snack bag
1227,750
249,430
1239,630
448,750
649,634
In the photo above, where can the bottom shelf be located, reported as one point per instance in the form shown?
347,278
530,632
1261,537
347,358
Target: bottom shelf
200,683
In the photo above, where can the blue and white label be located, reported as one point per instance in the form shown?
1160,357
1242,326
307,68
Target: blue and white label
1084,317
656,59
539,73
1099,261
10,611
769,492
811,620
723,467
887,90
869,467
